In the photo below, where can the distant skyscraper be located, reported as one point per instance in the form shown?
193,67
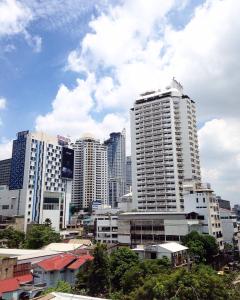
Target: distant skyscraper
164,148
41,172
116,150
128,174
5,168
90,173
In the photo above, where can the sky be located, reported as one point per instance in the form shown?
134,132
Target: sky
72,67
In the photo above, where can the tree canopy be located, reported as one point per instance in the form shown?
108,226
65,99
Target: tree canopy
40,235
201,246
14,238
122,276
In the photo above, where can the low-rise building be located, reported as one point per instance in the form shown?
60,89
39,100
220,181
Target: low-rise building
61,267
200,198
229,227
106,229
175,252
136,228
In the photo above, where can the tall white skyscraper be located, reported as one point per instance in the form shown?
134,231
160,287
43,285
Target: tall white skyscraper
90,173
164,148
41,179
116,152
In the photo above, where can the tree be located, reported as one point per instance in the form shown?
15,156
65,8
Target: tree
121,260
136,276
40,235
99,272
61,286
202,246
15,238
201,283
81,284
48,222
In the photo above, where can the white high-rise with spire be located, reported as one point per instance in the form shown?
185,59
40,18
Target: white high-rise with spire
164,148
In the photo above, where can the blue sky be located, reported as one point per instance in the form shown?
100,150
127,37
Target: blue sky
74,66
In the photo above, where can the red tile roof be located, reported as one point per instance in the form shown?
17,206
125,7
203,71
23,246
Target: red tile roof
80,261
13,284
56,263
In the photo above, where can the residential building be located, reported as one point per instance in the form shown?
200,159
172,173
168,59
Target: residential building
40,180
126,204
106,229
164,148
128,174
236,210
13,288
8,201
175,252
225,204
116,158
200,198
5,167
149,228
90,173
230,228
61,267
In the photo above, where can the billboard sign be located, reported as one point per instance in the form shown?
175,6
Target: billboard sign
67,163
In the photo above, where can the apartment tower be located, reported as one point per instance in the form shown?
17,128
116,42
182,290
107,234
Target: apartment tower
116,153
90,173
164,148
40,179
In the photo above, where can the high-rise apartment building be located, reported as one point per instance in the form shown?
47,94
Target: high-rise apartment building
164,148
5,167
90,173
128,174
41,176
116,154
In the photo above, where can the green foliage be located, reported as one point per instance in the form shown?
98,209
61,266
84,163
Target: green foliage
152,279
137,274
15,238
202,246
121,260
99,273
61,286
202,283
94,276
40,235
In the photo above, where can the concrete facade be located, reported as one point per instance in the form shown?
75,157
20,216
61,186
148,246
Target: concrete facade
200,198
90,173
155,227
164,148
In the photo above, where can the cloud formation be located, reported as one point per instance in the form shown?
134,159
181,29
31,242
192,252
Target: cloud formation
220,156
133,47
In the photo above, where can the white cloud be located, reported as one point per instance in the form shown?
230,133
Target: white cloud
132,47
5,149
3,103
71,113
14,17
220,156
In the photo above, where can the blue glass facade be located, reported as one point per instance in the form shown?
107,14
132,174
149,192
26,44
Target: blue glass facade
18,161
116,154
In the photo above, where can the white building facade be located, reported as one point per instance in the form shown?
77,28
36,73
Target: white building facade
36,180
199,198
164,148
90,173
